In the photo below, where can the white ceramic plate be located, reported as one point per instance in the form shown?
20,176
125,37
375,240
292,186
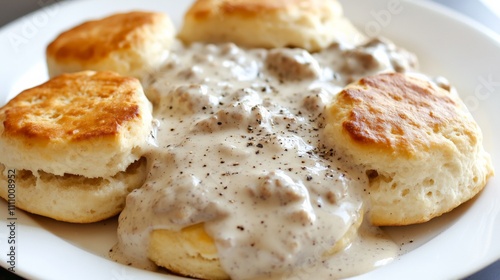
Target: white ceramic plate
452,246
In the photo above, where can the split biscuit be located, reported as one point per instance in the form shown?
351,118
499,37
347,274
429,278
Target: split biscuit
76,137
192,252
308,24
88,123
131,44
417,143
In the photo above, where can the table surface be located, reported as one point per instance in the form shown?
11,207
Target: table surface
475,9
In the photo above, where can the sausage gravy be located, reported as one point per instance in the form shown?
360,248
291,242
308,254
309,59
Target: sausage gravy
239,148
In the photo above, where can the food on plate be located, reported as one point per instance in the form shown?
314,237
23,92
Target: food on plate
75,142
269,142
241,165
417,143
307,24
131,44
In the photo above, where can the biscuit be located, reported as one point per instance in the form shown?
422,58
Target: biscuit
307,24
192,252
417,143
76,144
131,44
88,123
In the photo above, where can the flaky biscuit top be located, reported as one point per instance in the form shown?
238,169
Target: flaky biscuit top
73,108
397,113
96,39
205,8
92,124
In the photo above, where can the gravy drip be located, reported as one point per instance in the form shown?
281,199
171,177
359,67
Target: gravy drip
238,147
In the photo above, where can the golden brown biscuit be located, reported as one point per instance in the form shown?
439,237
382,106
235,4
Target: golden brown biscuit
76,144
88,123
308,24
131,44
417,143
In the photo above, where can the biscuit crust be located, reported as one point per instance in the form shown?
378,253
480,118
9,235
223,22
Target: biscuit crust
119,31
393,113
205,8
88,123
417,143
130,43
60,108
308,24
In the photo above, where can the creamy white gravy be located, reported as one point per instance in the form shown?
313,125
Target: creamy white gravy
239,148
